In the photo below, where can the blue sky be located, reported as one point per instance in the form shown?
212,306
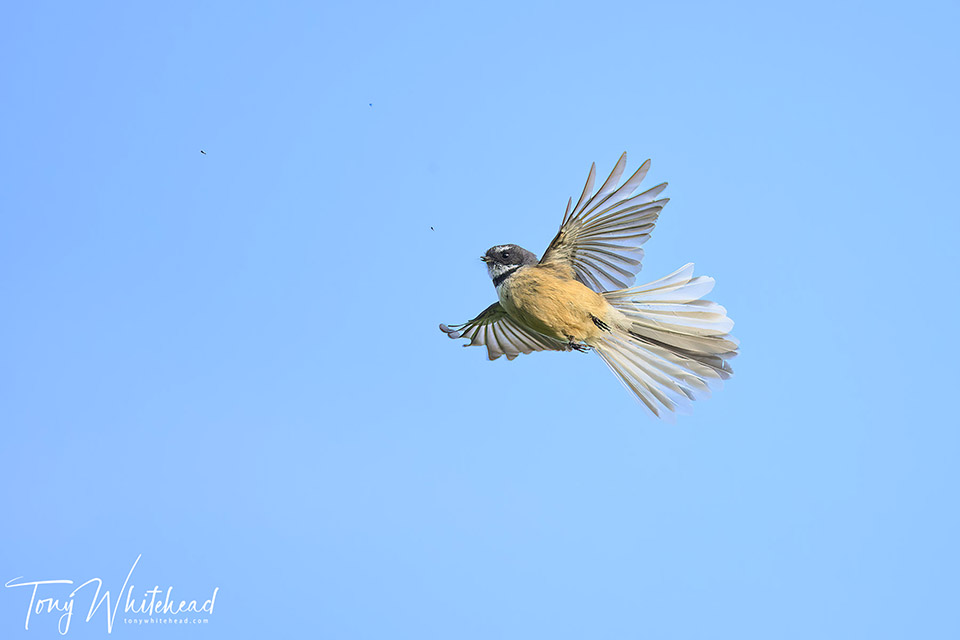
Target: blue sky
229,364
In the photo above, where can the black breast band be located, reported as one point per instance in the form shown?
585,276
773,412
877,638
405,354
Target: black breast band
503,276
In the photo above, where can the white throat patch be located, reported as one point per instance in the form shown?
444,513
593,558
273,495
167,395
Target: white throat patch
495,269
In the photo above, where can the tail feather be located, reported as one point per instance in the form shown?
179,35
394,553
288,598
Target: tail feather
656,390
669,347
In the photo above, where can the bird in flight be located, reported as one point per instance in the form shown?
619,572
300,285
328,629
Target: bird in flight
665,343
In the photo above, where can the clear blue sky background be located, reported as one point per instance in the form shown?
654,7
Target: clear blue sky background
230,362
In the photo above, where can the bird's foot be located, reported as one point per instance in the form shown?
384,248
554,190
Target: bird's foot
576,346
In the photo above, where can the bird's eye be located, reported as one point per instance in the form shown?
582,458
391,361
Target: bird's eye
505,254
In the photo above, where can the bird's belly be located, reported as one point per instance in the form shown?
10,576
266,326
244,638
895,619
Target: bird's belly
561,308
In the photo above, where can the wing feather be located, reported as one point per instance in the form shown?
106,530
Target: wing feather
501,335
599,241
587,188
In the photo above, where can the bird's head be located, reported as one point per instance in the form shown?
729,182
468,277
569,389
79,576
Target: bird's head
504,259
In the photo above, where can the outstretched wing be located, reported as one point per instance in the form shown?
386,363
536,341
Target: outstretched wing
599,240
497,331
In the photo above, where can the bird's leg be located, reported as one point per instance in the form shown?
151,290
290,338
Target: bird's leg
576,346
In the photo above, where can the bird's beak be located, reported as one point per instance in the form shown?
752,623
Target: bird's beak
484,259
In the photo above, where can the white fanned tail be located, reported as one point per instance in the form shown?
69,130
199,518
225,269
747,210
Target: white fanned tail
667,345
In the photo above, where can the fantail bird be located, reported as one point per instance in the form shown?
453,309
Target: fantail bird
664,343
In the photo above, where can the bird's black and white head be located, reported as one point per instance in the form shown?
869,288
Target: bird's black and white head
504,260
